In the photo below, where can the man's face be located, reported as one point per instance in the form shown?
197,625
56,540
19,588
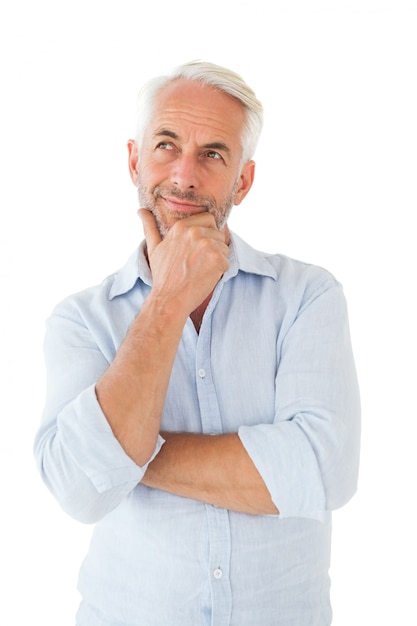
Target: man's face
190,158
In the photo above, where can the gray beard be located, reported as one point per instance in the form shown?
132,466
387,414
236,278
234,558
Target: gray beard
220,212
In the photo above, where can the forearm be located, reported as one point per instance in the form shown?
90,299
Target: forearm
132,391
215,469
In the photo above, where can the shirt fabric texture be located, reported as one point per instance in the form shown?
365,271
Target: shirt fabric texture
272,362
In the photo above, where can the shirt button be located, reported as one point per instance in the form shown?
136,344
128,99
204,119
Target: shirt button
218,573
201,373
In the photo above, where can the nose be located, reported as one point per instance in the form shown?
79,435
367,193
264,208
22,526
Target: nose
184,174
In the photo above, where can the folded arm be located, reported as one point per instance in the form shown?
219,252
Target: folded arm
305,460
101,436
215,469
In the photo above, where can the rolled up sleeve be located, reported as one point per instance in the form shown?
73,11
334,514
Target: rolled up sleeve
309,456
79,458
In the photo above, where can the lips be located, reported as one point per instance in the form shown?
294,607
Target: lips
186,202
179,206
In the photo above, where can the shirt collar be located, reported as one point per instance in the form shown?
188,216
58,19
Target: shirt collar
242,258
135,268
246,259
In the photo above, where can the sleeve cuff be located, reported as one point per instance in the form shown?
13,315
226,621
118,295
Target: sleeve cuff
84,428
289,468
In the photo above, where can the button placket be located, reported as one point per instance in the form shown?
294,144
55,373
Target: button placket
218,518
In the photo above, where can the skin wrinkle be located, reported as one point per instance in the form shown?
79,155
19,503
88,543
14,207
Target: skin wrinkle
215,145
220,213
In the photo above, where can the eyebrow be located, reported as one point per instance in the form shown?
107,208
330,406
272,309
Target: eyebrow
166,133
214,145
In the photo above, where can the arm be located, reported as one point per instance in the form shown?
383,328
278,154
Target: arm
213,468
185,266
92,453
185,269
307,454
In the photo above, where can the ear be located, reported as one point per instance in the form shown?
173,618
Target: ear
247,176
133,161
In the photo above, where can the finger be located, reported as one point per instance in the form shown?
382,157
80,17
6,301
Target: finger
150,229
205,224
201,219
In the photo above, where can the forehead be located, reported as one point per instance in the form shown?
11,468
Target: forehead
193,107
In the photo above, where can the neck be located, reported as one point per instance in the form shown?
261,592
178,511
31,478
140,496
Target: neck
198,313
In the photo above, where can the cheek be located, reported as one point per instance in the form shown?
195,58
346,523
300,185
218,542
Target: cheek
219,179
231,187
151,173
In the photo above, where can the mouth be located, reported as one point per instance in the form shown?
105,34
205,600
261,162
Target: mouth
180,206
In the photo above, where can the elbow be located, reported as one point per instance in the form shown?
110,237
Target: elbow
341,482
73,491
86,512
341,473
81,502
337,498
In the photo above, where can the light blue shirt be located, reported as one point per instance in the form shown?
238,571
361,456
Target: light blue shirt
273,362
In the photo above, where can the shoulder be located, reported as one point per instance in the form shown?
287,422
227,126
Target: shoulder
291,270
112,293
287,272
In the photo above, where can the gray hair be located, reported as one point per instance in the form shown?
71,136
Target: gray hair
220,78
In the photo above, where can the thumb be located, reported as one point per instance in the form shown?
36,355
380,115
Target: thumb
150,229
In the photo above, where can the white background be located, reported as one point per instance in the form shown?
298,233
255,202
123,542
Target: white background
336,186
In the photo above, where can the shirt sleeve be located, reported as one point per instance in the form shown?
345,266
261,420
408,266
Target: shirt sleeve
309,456
79,458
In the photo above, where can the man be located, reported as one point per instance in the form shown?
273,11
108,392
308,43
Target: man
202,404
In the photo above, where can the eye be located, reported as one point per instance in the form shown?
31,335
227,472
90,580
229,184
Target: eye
164,145
212,154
